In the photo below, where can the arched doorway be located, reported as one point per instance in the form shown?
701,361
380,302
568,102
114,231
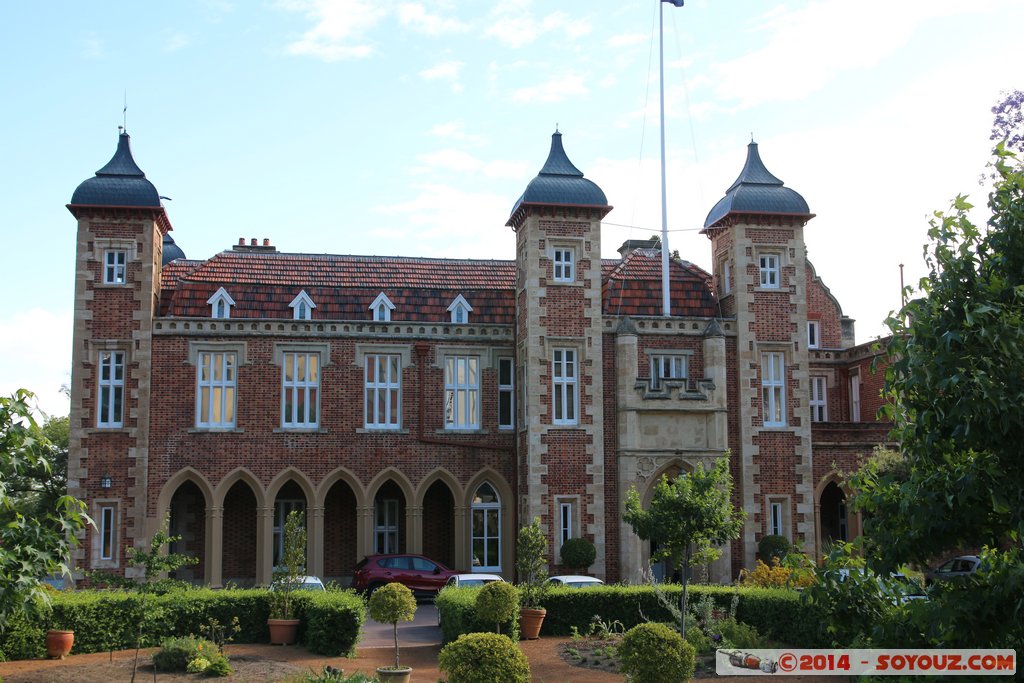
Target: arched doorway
389,532
485,529
239,545
188,520
340,533
834,517
439,524
662,570
290,498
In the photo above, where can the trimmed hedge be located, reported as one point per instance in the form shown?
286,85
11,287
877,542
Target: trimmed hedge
456,608
109,620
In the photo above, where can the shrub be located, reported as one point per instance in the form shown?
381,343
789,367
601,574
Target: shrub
391,604
700,640
531,565
177,654
483,658
332,622
777,575
497,602
773,546
653,653
456,608
219,666
740,635
578,553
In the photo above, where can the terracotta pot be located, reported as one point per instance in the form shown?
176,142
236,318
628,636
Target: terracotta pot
283,631
387,675
530,621
58,643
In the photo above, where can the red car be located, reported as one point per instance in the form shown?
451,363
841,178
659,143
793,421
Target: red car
420,574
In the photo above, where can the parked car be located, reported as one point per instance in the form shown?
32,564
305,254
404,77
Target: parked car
420,574
575,581
307,583
964,565
471,580
907,587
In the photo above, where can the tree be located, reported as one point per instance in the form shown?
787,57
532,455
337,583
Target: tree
38,486
31,545
955,384
1007,128
689,518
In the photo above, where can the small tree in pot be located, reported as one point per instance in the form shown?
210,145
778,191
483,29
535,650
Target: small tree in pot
287,579
391,604
497,602
578,554
532,571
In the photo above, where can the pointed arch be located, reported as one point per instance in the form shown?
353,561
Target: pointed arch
180,477
479,529
232,478
291,474
341,474
443,475
671,468
501,486
395,475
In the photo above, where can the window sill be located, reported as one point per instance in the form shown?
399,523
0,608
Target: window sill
450,431
109,430
215,430
300,430
381,430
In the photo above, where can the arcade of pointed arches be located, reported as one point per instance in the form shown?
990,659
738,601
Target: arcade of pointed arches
234,527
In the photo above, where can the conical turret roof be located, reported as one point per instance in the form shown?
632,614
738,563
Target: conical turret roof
120,183
757,192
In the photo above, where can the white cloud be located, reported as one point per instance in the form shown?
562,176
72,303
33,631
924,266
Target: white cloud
446,71
628,40
463,162
415,17
454,130
35,346
515,25
555,89
340,27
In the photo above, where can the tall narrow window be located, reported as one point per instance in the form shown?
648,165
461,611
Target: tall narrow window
107,532
283,508
115,269
385,528
855,397
726,276
300,390
813,334
667,367
462,392
220,304
506,393
111,388
773,389
775,523
564,523
564,384
769,269
215,389
564,265
819,400
486,530
383,391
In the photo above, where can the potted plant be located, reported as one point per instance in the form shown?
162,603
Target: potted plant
578,554
532,571
58,643
391,604
287,579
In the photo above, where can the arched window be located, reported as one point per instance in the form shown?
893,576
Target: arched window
486,529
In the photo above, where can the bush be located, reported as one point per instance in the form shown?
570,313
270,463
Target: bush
777,575
700,640
773,546
497,602
332,622
740,635
23,638
456,608
177,654
484,658
219,666
578,553
653,653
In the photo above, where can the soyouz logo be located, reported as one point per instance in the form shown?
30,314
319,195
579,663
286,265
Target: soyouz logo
876,662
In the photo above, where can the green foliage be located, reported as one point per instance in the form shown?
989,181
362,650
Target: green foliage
456,608
219,666
23,638
688,518
497,602
330,674
654,653
532,565
578,553
701,641
39,543
175,654
288,577
484,658
333,620
773,547
390,604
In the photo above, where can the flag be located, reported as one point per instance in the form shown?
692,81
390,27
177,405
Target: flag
677,3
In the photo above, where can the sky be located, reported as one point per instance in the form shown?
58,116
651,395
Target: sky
395,127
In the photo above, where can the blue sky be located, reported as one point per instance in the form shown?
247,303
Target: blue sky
411,127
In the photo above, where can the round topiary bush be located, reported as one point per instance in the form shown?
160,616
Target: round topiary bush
497,602
773,546
484,658
391,604
654,653
578,553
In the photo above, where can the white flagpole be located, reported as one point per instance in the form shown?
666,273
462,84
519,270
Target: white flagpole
666,302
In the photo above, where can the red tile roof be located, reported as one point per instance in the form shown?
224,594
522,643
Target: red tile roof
632,286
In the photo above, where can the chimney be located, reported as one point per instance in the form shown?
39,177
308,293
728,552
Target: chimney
254,245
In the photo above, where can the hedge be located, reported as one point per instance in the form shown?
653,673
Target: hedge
109,620
456,608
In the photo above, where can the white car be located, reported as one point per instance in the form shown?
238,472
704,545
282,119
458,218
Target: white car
575,581
472,580
306,583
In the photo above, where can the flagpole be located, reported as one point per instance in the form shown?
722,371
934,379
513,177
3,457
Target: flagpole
666,303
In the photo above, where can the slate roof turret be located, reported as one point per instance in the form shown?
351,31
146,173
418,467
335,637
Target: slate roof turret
757,192
120,183
172,251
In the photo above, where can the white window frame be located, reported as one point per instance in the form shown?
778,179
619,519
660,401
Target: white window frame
460,310
300,382
773,388
220,304
483,535
671,367
813,334
386,536
776,526
381,308
107,546
302,307
565,386
855,397
461,392
111,375
115,267
219,388
565,522
819,398
770,270
390,387
563,264
507,392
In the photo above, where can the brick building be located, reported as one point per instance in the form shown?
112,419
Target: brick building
434,405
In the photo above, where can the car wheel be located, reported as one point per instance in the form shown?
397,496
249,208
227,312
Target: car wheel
373,589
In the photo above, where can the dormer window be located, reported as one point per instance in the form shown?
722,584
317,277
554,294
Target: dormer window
220,304
381,308
302,307
460,310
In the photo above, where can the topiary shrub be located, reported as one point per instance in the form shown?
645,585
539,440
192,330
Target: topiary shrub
578,554
497,602
391,604
484,658
773,546
654,653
